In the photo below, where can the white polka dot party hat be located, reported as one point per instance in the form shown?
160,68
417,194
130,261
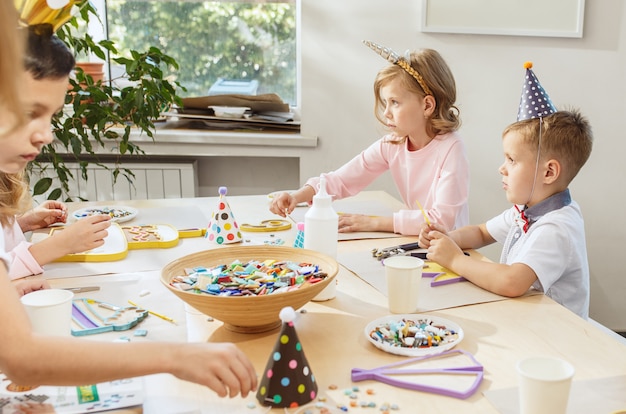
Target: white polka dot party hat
223,228
535,102
287,381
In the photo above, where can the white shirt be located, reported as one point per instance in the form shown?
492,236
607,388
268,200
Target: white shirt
554,248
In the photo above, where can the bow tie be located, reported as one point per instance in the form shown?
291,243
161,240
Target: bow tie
521,220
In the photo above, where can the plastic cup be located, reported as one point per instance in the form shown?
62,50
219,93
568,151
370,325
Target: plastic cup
50,311
544,385
404,275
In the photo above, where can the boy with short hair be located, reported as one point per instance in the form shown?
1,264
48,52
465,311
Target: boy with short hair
543,234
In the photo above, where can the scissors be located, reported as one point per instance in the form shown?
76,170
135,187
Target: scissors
401,249
391,374
267,226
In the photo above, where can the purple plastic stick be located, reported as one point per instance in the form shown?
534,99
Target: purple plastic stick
382,373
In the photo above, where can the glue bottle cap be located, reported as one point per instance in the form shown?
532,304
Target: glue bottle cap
322,198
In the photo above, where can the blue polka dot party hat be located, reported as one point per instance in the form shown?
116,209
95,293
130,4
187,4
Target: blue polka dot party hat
287,381
223,228
535,102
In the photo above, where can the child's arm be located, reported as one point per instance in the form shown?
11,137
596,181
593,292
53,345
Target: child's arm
506,280
26,358
468,237
349,223
48,213
24,286
86,234
285,202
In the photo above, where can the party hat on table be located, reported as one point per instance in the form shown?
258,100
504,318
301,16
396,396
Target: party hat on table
535,102
287,380
223,228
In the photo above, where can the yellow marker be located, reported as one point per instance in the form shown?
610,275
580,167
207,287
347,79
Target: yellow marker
423,212
158,315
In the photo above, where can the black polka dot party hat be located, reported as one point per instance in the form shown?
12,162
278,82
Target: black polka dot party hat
535,102
223,228
287,381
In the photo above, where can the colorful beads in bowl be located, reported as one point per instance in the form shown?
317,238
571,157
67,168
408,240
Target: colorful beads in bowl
250,278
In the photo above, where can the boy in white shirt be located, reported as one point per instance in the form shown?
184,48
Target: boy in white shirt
543,234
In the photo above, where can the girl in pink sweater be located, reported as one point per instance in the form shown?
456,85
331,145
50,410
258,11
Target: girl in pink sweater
414,99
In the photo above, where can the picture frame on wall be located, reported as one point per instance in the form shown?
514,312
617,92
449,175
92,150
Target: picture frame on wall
554,18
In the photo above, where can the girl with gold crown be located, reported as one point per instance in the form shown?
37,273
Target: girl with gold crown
31,359
414,100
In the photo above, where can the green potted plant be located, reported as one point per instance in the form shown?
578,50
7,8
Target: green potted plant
101,111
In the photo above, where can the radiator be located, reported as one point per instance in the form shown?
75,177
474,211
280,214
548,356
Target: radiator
151,181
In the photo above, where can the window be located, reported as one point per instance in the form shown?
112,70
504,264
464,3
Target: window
252,40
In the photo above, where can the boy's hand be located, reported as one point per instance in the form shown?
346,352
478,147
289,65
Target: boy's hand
425,233
442,249
42,216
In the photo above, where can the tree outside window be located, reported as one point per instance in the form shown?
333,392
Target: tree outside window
236,40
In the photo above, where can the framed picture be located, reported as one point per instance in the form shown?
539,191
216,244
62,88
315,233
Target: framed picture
553,18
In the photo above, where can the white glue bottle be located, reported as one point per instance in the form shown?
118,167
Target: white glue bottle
320,232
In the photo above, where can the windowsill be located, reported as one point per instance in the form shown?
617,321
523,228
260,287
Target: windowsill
216,137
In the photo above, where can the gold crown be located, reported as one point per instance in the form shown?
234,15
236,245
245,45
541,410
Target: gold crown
53,12
393,57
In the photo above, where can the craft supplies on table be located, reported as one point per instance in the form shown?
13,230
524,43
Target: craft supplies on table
413,334
90,316
118,214
453,373
121,239
267,226
99,397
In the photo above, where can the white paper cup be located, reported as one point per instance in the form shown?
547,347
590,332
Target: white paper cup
50,311
404,275
544,385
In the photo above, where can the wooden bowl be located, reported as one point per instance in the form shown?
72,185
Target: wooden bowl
249,314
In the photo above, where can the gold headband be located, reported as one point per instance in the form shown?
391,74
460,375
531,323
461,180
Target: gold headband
393,57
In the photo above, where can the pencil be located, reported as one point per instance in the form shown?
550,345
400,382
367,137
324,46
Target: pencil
423,212
158,315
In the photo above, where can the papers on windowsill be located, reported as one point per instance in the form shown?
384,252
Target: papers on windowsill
266,112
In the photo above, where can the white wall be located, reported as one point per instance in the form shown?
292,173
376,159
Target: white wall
588,73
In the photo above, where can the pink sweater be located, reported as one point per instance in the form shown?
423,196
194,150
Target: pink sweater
436,175
22,263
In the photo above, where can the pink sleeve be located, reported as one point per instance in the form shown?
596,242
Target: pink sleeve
22,262
356,174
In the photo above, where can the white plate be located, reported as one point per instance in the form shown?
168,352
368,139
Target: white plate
405,351
277,193
118,214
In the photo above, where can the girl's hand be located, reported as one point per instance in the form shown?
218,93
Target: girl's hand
283,204
86,234
42,216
